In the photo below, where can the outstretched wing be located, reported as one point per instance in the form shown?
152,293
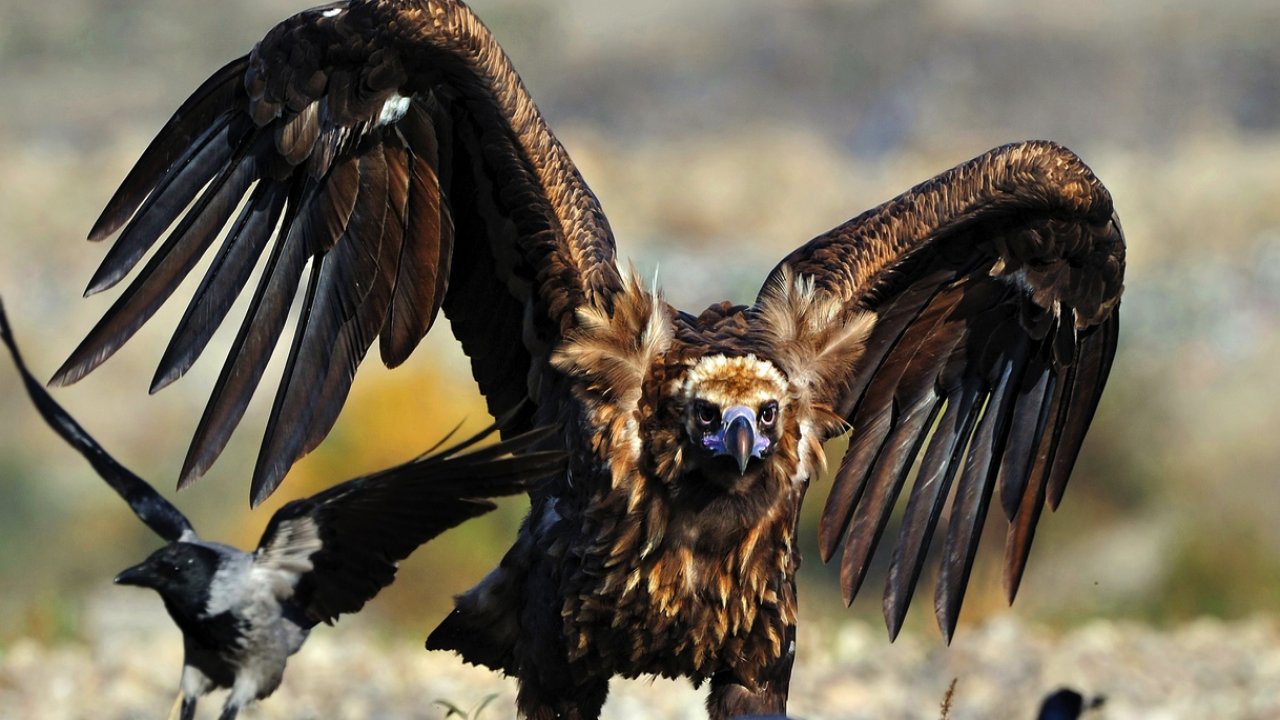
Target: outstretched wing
996,288
393,147
344,543
158,514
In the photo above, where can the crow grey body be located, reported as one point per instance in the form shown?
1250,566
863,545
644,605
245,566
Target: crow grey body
236,613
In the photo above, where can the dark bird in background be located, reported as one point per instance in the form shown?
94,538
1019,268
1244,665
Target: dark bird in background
966,328
242,614
1067,704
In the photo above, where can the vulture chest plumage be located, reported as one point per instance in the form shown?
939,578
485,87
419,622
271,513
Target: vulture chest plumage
678,563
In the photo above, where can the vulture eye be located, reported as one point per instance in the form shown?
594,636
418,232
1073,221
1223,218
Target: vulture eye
708,415
769,414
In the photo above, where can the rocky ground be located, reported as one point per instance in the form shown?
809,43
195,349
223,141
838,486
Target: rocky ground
128,665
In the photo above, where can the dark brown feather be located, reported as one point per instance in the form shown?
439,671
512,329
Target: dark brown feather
973,494
422,269
483,315
343,274
869,431
1087,391
195,118
893,322
166,269
1031,418
1022,528
905,385
223,282
358,332
850,482
889,474
924,506
212,155
251,350
324,89
296,138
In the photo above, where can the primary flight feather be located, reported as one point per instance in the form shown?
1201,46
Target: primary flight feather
965,328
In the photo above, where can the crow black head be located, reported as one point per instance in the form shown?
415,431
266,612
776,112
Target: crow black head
181,572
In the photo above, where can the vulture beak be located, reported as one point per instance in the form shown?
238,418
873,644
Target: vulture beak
738,437
140,575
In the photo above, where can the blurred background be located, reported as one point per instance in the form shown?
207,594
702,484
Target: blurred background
718,135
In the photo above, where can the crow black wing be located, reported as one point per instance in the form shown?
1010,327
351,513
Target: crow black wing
158,514
344,542
391,146
996,289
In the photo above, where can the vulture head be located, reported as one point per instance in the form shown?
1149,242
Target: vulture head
732,413
764,403
732,402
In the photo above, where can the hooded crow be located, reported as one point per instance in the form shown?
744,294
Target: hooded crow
242,614
1067,704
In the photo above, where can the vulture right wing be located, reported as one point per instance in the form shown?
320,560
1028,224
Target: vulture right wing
392,145
995,289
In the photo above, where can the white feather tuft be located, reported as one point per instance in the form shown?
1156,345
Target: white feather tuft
615,351
814,335
393,109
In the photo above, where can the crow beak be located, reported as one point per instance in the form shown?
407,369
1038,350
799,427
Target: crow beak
739,441
139,575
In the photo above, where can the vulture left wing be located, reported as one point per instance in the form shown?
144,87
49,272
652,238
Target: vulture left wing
392,147
342,545
995,290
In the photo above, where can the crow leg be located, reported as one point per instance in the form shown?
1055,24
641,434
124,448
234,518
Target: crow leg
184,707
